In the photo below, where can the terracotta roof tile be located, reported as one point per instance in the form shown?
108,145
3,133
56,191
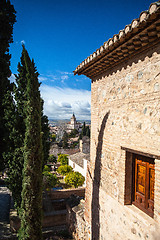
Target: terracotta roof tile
139,30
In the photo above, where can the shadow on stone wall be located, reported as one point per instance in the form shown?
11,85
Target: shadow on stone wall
96,182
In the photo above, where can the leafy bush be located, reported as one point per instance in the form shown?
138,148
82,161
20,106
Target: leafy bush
63,159
64,169
46,169
52,158
75,179
74,144
52,137
49,180
73,133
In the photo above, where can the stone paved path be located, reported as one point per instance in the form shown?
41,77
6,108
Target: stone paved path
5,199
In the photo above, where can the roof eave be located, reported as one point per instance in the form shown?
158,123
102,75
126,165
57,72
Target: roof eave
133,37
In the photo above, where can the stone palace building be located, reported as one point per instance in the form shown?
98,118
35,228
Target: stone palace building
122,199
73,124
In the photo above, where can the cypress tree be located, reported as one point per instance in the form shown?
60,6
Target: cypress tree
15,164
20,94
7,20
84,129
13,153
15,124
45,136
32,173
14,117
87,131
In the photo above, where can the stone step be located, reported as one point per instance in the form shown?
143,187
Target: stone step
56,233
5,233
55,213
54,218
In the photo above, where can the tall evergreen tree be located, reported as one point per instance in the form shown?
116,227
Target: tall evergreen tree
88,131
84,129
13,154
15,123
45,136
32,174
7,20
20,94
14,118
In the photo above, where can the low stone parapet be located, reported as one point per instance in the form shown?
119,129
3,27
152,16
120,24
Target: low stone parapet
66,193
75,221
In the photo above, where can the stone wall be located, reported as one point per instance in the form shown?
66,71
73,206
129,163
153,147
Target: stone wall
125,112
84,145
66,193
75,221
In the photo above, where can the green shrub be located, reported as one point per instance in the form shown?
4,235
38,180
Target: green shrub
49,180
53,137
75,179
46,168
73,133
52,158
63,159
64,169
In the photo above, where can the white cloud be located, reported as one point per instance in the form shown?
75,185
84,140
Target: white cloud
63,78
23,42
41,78
51,77
65,73
60,103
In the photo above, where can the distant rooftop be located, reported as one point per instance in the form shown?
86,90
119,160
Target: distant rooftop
78,158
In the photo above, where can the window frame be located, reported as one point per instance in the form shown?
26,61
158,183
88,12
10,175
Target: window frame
147,163
129,194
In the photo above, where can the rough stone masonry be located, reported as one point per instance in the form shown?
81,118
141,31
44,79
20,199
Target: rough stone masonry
125,122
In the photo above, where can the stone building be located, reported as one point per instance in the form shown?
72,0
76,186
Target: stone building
73,124
122,198
78,161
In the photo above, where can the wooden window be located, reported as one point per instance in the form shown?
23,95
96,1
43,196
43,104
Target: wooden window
140,180
143,183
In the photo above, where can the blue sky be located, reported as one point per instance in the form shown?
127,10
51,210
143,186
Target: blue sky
59,35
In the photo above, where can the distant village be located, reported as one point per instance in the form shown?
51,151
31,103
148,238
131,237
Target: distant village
64,134
73,139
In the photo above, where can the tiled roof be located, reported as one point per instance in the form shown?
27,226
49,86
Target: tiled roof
78,158
134,37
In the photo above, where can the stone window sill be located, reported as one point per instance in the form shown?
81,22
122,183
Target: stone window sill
140,214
